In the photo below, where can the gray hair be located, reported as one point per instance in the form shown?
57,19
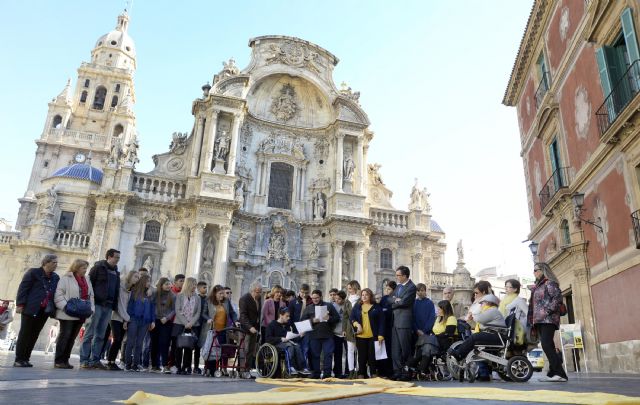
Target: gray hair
255,285
447,288
49,258
546,270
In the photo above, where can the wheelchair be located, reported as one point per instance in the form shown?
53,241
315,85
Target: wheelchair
507,359
272,362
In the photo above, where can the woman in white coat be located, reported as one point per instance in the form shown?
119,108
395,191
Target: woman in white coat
73,284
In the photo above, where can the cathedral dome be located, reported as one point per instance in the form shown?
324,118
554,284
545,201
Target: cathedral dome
80,171
116,40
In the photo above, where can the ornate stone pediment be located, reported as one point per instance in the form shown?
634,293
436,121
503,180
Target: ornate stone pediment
348,110
282,143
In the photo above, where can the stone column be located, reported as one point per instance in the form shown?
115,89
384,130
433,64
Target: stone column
339,161
583,307
183,246
361,268
337,264
418,267
265,178
195,250
98,234
209,142
235,134
114,230
239,278
361,167
196,144
220,269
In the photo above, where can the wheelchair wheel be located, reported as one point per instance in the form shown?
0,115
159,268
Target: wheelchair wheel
519,369
217,373
267,361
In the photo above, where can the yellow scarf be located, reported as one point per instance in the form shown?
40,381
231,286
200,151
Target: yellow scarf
508,299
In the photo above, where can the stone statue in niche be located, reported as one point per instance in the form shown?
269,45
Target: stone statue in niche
315,251
278,241
239,193
284,105
208,251
126,105
222,146
319,206
148,263
131,155
349,167
50,200
346,270
115,153
242,243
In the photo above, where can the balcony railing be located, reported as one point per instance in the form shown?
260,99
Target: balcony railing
441,279
7,237
72,239
621,95
542,89
558,180
79,138
635,219
158,189
392,220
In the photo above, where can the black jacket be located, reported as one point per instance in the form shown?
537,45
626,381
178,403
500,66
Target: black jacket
276,331
249,312
99,276
321,330
33,290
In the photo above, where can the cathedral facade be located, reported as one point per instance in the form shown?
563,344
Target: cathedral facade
272,184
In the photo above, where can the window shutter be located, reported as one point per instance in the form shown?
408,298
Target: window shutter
604,74
630,35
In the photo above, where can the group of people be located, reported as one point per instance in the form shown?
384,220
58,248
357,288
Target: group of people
353,335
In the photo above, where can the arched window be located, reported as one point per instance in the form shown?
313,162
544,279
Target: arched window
117,88
152,231
83,97
57,121
565,235
118,130
86,82
386,259
98,99
114,101
280,185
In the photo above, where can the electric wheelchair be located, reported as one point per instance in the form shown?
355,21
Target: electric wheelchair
507,359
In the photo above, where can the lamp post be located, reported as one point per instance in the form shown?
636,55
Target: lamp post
533,246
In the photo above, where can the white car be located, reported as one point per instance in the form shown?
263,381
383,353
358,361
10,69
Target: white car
536,359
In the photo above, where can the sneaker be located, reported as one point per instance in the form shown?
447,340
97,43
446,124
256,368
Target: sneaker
166,370
113,367
143,369
293,371
85,366
155,370
305,371
20,364
553,378
130,368
65,366
100,366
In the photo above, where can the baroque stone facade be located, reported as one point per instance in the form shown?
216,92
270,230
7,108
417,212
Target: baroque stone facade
272,183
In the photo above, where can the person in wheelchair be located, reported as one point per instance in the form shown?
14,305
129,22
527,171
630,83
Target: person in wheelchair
428,347
488,317
276,334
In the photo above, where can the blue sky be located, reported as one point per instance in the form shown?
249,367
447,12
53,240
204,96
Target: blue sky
431,75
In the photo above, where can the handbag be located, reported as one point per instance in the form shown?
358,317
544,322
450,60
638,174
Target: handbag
78,308
186,340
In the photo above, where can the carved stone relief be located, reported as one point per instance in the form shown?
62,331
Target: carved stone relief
294,54
284,106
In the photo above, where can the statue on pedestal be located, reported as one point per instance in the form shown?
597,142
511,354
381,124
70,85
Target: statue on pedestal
222,146
319,208
349,167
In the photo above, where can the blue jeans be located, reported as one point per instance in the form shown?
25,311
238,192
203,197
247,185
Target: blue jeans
324,346
94,332
136,331
304,346
146,350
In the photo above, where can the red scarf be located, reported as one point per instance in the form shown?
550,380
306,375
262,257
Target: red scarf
84,287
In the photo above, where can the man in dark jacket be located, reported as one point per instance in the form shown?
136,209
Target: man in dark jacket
402,301
296,307
105,281
35,305
321,337
276,334
250,308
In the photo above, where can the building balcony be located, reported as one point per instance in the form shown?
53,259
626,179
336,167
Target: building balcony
559,180
64,238
441,280
158,189
7,237
635,219
624,91
389,219
79,138
543,88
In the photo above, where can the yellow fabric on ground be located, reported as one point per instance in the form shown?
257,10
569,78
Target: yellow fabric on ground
275,396
499,394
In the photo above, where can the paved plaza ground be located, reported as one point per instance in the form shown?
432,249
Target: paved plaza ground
44,385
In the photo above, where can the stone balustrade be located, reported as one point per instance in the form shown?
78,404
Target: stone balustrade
158,189
71,239
441,279
79,138
7,237
390,219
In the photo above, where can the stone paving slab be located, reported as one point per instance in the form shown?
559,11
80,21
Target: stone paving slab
44,385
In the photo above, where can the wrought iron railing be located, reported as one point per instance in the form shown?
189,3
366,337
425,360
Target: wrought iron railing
635,219
621,95
558,180
543,87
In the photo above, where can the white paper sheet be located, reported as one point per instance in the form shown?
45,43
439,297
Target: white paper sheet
321,312
381,350
304,326
291,335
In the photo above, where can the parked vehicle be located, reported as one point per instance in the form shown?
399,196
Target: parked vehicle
536,359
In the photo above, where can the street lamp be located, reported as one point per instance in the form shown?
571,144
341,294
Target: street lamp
578,203
533,246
